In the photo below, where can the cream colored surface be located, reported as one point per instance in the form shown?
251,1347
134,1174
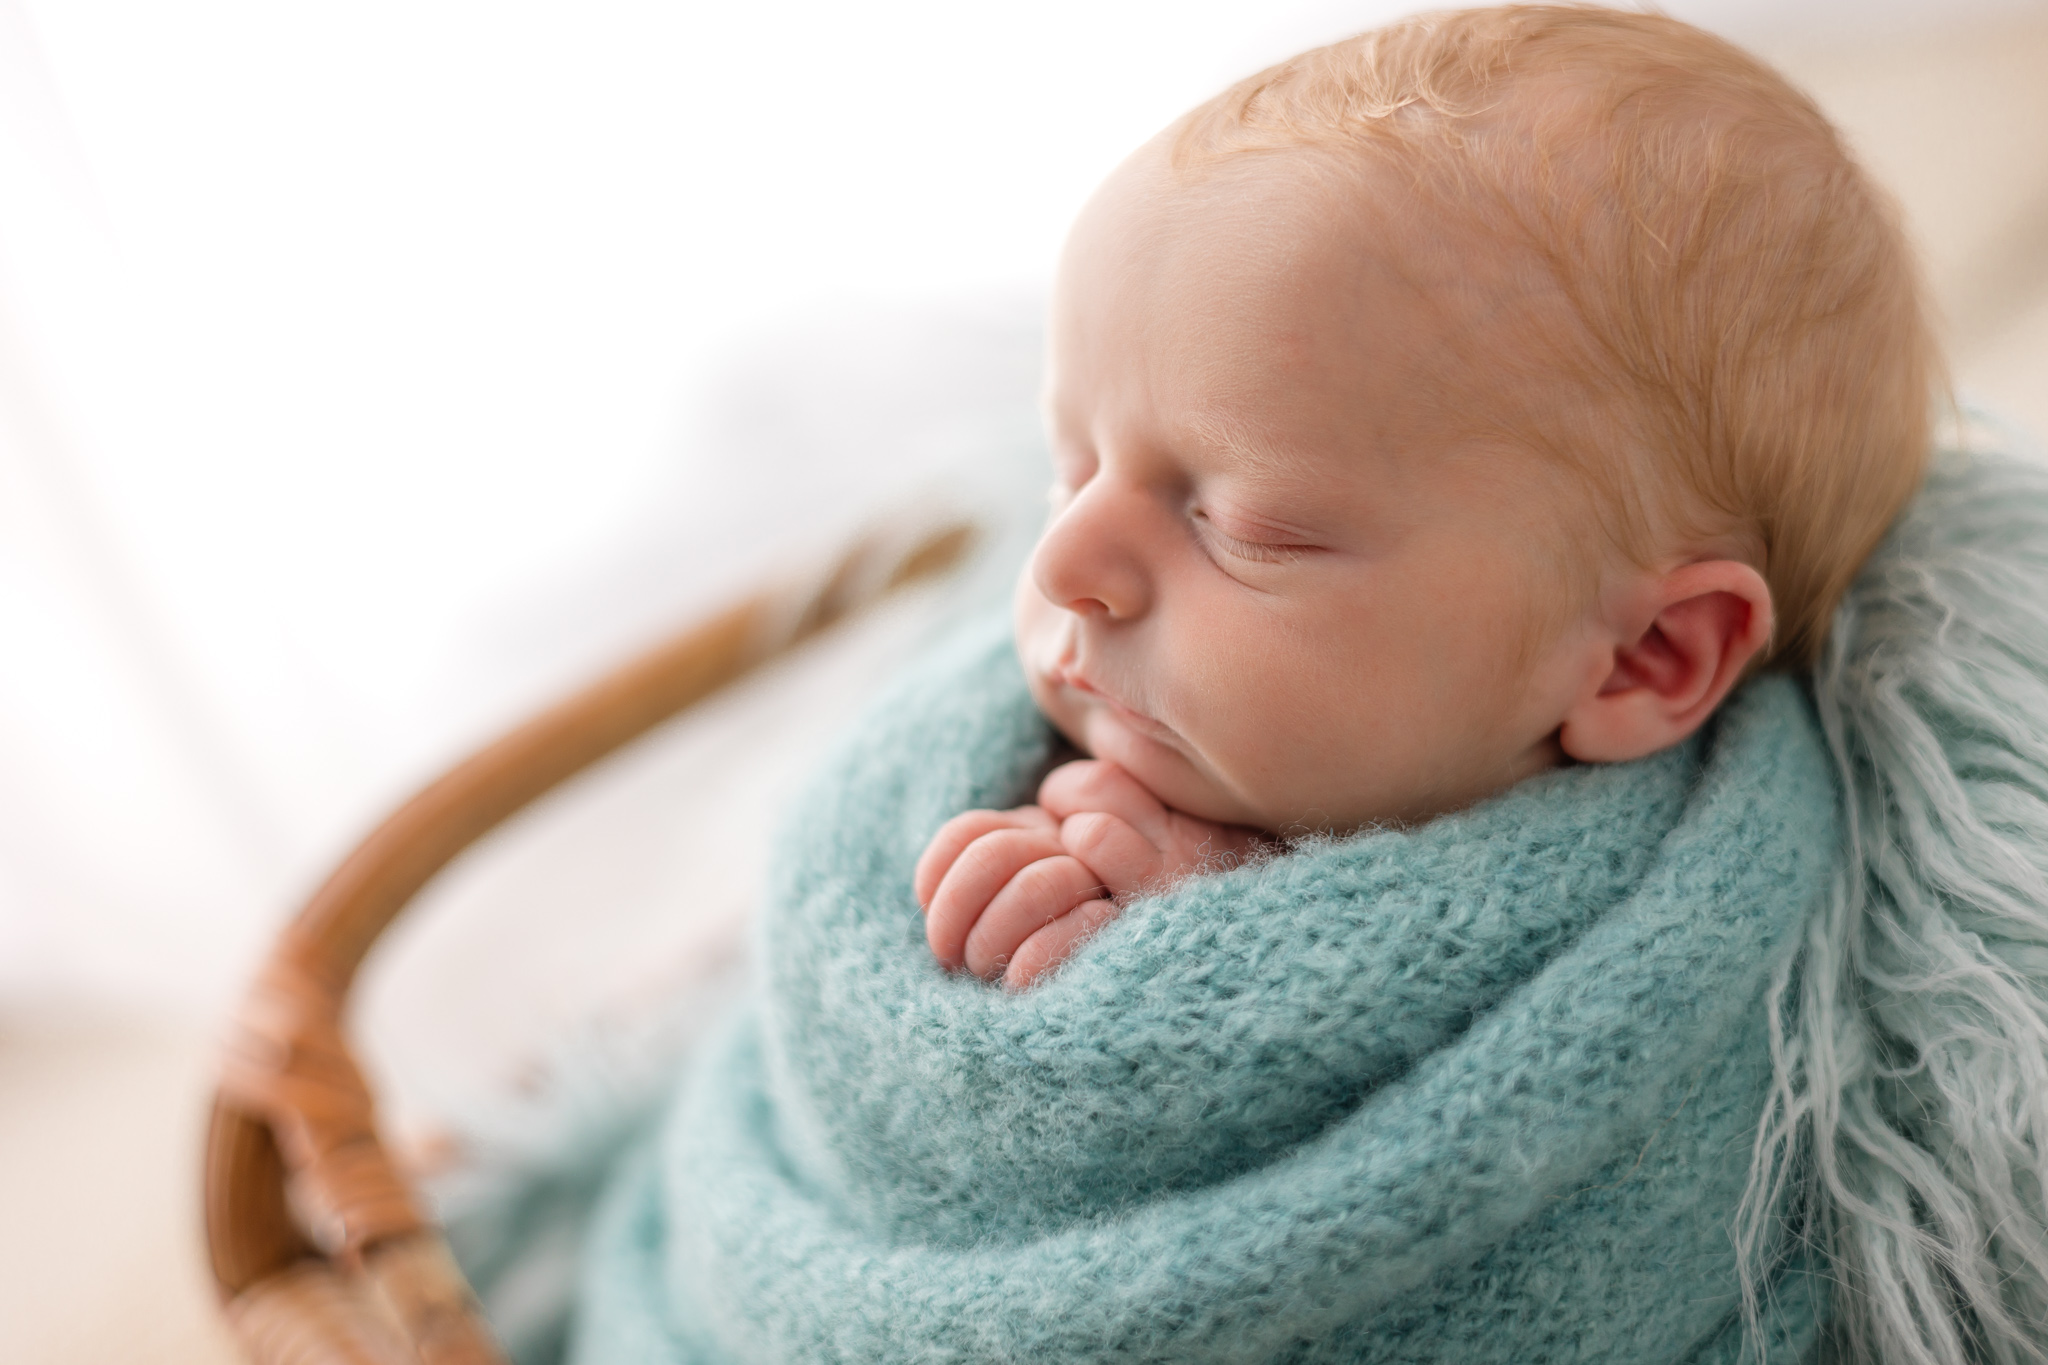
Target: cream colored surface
100,1122
99,1119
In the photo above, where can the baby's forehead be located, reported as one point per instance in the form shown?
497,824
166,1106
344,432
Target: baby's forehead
1272,276
1309,204
1323,224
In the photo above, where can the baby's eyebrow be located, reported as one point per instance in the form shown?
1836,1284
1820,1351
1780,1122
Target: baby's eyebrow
1258,468
1255,458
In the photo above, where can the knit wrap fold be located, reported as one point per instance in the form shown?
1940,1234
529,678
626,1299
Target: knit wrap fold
1482,1090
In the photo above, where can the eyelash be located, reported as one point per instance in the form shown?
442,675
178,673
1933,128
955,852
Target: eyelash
1247,549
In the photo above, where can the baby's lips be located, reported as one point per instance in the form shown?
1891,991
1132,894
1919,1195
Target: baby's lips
1142,722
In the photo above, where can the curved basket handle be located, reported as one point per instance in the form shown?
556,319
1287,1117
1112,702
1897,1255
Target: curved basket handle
318,1248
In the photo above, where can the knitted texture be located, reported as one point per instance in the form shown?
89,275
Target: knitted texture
1481,1090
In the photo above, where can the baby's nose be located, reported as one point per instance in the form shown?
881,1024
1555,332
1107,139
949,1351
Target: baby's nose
1091,558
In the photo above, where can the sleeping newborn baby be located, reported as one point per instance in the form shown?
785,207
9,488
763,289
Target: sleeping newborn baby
1413,436
1462,921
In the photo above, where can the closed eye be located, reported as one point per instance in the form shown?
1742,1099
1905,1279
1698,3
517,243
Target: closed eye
1257,551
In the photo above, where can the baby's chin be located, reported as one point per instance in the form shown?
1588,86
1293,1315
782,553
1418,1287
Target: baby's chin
1146,748
1178,781
1166,772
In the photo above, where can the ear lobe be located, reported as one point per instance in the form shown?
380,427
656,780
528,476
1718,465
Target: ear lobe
1706,621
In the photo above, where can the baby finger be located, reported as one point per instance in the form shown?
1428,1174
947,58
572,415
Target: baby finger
1096,784
1034,898
957,833
1056,942
1125,860
981,871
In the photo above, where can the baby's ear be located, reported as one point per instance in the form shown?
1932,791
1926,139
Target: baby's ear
1676,651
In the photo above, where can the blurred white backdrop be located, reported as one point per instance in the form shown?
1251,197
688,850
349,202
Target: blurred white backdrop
367,373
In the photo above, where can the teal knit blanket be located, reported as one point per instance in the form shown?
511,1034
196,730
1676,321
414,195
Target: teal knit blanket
1483,1090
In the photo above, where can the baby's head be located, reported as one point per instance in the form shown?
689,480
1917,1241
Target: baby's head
1492,390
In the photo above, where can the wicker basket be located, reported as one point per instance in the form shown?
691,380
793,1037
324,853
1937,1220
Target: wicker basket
320,1251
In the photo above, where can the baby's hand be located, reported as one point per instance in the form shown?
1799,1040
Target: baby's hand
1011,893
